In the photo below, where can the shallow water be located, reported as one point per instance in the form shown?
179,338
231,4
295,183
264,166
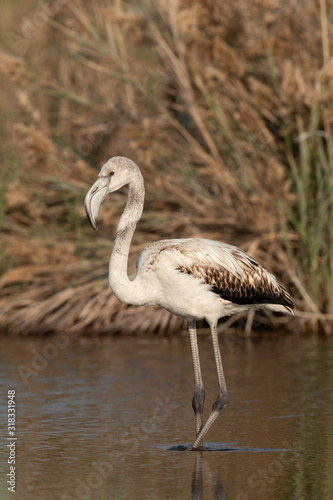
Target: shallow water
95,419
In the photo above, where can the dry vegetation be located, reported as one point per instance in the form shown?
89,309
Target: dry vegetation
226,106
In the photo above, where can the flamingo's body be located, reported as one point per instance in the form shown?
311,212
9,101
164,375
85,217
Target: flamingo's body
192,278
203,279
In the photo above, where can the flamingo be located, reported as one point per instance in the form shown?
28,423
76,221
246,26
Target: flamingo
195,279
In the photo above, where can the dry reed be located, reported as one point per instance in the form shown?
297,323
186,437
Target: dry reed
226,107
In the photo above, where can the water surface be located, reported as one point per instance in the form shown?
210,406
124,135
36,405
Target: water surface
95,419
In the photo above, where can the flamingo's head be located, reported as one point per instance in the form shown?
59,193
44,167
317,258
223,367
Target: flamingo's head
115,173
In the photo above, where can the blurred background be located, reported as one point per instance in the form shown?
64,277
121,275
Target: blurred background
227,107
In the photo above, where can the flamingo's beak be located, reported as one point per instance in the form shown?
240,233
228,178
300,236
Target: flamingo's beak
94,198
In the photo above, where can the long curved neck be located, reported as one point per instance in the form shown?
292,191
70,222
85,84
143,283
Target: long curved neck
124,289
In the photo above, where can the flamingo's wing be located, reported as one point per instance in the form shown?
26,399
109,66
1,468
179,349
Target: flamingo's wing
232,273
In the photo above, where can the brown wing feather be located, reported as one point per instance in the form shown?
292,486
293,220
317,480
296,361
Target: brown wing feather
255,287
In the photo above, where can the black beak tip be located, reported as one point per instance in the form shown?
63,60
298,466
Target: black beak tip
94,224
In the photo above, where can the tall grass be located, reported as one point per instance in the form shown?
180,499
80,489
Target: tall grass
8,174
312,216
227,108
